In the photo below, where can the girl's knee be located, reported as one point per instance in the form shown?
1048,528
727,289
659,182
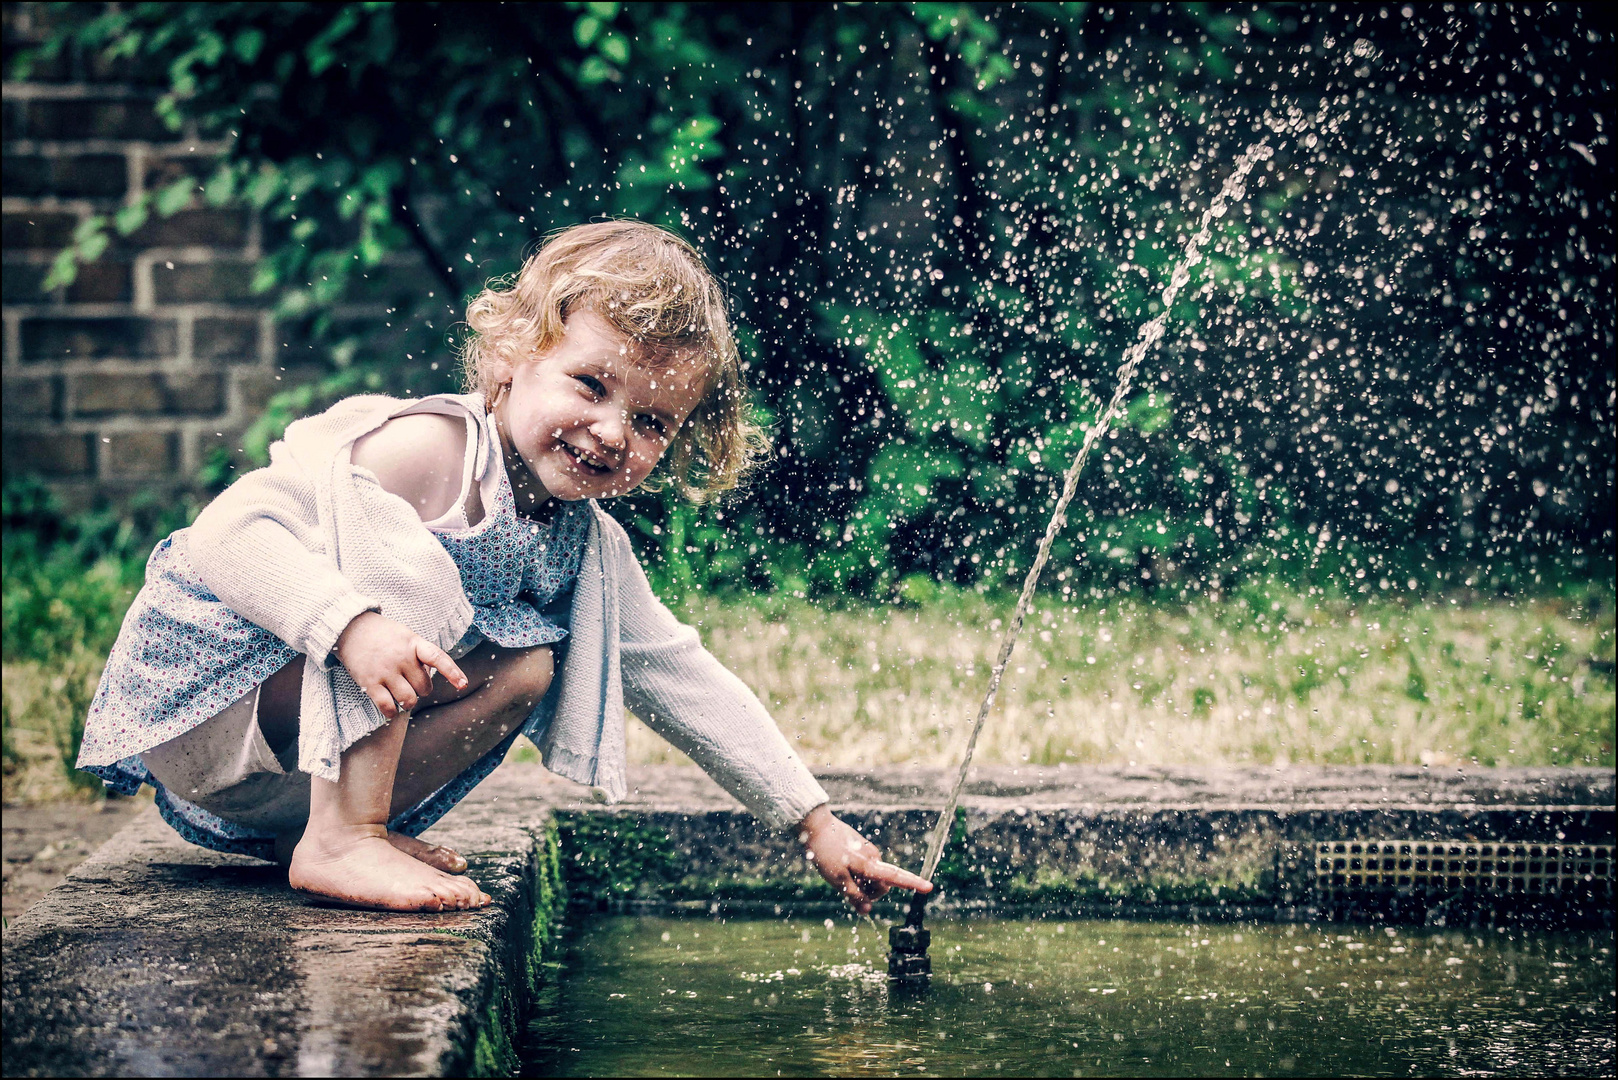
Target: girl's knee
529,675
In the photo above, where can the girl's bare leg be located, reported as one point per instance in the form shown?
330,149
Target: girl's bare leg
278,717
452,729
346,852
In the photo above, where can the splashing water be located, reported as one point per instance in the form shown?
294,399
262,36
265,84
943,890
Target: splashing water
1234,189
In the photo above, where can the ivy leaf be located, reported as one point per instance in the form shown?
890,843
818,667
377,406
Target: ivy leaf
132,217
248,44
91,247
175,196
615,47
64,270
88,228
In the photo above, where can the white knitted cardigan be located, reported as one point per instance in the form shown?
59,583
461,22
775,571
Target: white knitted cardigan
305,544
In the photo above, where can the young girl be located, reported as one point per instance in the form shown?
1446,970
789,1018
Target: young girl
348,640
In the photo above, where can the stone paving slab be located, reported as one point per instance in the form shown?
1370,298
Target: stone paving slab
155,957
42,842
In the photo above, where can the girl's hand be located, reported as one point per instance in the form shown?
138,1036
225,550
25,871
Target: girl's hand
392,664
851,863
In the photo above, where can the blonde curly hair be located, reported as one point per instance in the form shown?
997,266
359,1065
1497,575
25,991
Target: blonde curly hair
654,288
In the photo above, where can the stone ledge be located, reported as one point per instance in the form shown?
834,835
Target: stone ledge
156,957
1226,843
1295,787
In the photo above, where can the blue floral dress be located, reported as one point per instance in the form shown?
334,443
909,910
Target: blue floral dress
182,655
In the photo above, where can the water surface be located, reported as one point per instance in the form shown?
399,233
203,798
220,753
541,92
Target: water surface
644,996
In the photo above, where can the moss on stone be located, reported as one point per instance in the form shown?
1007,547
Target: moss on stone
494,1053
737,887
1054,888
614,856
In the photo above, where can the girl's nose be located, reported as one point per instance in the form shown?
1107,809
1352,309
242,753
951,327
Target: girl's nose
609,429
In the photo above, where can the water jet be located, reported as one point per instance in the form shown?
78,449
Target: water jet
907,959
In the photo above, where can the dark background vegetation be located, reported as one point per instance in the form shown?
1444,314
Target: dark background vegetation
941,224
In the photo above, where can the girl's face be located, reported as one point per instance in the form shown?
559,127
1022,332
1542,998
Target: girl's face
584,421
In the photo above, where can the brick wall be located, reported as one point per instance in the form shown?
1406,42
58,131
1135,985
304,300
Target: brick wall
160,352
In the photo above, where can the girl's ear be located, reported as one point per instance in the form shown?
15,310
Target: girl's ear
500,372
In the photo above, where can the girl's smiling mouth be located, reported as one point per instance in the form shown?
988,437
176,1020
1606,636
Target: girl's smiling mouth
584,459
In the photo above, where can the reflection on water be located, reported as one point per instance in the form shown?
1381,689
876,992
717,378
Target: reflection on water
645,996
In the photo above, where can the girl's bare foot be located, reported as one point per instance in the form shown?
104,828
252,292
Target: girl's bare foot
360,865
437,856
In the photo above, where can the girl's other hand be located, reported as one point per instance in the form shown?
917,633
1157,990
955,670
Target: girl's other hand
393,664
851,863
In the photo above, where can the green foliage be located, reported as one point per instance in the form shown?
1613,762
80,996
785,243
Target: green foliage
957,870
69,579
66,584
942,223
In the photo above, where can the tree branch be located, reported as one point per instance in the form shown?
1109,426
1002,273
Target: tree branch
971,201
424,243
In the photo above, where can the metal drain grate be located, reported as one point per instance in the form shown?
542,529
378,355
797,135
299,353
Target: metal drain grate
1350,868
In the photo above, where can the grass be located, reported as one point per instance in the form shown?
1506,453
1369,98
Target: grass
1262,678
44,707
1259,679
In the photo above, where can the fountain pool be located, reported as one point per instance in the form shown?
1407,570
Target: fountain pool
653,995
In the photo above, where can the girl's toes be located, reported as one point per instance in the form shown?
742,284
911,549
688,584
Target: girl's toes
434,855
443,858
468,894
453,893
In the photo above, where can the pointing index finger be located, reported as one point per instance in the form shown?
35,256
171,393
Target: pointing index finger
431,654
886,872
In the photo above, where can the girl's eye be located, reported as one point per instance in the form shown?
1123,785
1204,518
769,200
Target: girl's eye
593,384
653,424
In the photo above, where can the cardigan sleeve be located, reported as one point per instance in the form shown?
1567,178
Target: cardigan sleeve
688,697
257,548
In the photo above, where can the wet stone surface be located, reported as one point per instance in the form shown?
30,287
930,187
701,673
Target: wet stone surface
157,957
1212,842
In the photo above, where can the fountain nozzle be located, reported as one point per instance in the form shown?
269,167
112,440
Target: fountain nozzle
908,962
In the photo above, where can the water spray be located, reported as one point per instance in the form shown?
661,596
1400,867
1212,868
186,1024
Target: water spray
908,961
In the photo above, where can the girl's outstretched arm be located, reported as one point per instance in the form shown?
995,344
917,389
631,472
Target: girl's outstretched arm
687,696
